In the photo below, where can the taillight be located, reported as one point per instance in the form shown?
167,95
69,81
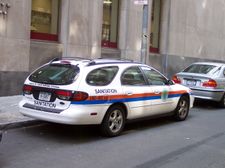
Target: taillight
68,95
63,94
79,96
176,79
210,83
27,89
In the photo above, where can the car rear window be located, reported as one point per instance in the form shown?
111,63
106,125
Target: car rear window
56,74
199,68
102,76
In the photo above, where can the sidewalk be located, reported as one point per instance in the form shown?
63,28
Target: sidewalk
9,113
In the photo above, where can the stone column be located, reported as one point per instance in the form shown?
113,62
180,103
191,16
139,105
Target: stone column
130,30
15,36
14,45
81,28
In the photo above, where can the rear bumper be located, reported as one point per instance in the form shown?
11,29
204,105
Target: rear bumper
215,95
74,115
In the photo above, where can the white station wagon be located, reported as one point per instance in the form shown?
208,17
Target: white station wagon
102,91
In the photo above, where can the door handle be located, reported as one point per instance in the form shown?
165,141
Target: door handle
129,93
157,92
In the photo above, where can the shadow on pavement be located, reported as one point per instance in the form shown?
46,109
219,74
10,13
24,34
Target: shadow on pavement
206,104
84,134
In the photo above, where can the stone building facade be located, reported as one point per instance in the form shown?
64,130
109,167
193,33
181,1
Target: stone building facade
180,32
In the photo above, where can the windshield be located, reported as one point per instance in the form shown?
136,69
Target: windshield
56,74
199,68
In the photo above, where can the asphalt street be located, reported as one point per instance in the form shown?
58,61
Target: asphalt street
198,142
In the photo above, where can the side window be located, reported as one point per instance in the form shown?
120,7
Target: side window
154,77
133,76
102,76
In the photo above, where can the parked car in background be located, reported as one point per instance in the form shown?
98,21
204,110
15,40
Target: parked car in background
206,79
102,91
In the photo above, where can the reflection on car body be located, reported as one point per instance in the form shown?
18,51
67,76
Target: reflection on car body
102,91
206,79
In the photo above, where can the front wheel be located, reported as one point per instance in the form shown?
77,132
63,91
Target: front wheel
182,109
113,122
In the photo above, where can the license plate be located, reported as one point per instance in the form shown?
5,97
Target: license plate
45,96
190,82
44,104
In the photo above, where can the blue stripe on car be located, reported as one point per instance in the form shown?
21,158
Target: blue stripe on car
123,100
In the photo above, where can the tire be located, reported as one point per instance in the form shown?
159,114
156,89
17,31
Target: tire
113,122
182,109
222,101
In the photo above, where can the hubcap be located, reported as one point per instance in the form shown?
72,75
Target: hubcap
115,121
183,108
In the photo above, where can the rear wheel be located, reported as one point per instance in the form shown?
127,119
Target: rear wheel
182,109
222,101
113,122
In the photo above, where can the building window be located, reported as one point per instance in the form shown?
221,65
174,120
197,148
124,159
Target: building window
44,20
110,23
155,26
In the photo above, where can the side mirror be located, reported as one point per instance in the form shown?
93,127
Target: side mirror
170,82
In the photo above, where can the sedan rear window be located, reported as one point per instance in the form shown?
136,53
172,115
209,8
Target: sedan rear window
199,68
55,74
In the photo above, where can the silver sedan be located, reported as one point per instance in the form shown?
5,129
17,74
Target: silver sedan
206,79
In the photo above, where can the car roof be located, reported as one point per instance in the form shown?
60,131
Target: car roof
210,63
90,62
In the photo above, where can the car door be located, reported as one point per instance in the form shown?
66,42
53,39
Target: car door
136,92
161,101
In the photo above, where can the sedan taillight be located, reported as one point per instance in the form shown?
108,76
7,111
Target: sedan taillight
176,79
210,83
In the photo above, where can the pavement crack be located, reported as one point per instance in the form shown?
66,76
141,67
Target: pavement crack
158,162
